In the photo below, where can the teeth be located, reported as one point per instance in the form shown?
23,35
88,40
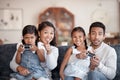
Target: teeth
47,39
96,41
78,42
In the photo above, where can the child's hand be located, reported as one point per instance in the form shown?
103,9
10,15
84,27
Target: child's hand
81,55
23,71
33,48
20,48
90,54
62,76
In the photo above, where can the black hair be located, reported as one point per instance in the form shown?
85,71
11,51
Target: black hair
79,29
30,29
45,24
97,24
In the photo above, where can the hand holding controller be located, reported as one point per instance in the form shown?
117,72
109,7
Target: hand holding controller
90,54
27,46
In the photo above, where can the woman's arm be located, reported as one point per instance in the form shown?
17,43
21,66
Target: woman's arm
51,58
13,64
50,53
16,67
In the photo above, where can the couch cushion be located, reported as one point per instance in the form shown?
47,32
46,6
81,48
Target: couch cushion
117,48
55,72
6,54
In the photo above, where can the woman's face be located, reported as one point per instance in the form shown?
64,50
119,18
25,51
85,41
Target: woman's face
29,38
78,38
46,35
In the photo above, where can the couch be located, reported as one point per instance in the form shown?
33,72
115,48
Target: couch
7,51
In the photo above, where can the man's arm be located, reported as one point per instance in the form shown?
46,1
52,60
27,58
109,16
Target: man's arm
109,69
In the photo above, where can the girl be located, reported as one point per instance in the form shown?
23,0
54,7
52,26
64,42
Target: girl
28,56
47,44
76,58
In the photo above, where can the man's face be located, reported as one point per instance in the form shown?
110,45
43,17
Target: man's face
96,36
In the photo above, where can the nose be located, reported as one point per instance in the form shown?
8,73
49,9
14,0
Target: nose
97,36
77,39
49,36
29,41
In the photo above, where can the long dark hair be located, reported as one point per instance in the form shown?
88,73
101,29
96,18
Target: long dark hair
30,29
45,24
79,29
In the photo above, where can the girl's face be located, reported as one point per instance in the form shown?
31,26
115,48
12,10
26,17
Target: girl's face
29,38
78,38
46,35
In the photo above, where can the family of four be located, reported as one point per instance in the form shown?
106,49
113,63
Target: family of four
37,55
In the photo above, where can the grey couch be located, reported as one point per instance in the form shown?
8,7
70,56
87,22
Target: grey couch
7,51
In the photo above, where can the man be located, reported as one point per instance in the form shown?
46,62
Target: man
103,64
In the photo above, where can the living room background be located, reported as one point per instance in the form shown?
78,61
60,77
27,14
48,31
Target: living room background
84,11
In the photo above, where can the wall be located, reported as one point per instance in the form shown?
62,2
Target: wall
84,11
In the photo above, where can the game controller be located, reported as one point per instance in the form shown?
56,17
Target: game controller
27,46
90,54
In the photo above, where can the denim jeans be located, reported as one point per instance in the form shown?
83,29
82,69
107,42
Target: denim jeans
92,75
96,75
69,78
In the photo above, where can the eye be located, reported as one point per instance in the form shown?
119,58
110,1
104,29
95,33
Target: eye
52,33
100,33
73,36
80,36
45,32
26,37
92,33
32,37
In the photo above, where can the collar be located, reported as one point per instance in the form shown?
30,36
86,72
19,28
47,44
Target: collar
99,48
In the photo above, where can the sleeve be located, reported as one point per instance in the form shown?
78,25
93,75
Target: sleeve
51,59
13,64
109,68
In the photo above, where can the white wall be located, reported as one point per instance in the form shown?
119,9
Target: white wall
83,10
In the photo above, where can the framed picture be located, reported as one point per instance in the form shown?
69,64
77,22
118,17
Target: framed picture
10,19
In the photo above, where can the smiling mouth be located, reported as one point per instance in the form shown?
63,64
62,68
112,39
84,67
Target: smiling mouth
77,42
96,41
47,40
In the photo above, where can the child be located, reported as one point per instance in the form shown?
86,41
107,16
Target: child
28,56
47,43
76,60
